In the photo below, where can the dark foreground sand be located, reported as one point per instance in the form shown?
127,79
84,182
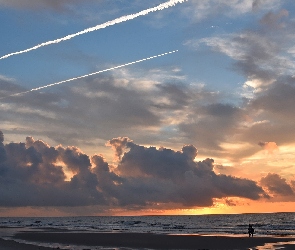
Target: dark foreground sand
12,245
144,240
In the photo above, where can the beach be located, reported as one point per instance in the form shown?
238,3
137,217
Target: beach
212,232
12,245
143,240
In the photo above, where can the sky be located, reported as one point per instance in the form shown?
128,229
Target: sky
146,107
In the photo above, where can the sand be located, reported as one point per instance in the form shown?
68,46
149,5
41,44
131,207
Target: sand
12,245
146,240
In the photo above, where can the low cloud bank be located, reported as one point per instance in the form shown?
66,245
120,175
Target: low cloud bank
32,173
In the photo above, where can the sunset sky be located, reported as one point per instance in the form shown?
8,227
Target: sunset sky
206,128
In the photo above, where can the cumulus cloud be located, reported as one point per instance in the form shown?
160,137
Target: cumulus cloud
277,185
35,174
32,174
119,145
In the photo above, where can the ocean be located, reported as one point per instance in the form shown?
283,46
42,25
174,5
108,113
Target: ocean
270,224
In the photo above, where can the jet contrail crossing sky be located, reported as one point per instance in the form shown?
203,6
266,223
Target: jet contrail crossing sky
121,19
91,74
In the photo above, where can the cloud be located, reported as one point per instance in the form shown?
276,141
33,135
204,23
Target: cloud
199,10
257,53
8,86
273,20
164,175
272,114
119,145
263,56
88,75
255,4
109,106
270,147
254,55
35,174
265,4
59,5
1,137
276,185
31,175
277,101
35,4
172,110
212,123
114,107
106,106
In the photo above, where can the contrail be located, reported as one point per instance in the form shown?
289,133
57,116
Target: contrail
91,74
100,26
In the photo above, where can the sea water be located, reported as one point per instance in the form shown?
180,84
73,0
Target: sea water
270,224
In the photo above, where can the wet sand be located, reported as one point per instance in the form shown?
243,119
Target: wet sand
146,240
12,245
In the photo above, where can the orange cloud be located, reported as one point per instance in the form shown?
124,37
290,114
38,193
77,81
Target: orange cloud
270,147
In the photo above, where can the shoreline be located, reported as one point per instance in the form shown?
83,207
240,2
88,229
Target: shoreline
148,240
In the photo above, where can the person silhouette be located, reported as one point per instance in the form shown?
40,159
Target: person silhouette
250,230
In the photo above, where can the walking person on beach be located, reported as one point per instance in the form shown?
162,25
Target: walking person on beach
250,230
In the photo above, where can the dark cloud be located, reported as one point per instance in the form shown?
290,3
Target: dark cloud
256,4
212,123
173,176
230,203
108,107
263,55
35,174
273,20
257,54
1,138
113,108
264,4
161,163
8,87
177,95
119,145
39,4
31,175
274,108
35,4
2,150
276,185
278,100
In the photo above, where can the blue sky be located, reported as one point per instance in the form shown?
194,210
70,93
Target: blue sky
228,90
